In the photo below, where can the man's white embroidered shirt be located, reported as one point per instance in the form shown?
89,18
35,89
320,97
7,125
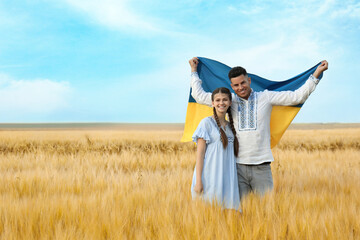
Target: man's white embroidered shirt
252,116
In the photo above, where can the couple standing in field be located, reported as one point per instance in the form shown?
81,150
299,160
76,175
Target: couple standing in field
233,158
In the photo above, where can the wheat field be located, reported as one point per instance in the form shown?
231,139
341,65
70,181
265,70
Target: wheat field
88,184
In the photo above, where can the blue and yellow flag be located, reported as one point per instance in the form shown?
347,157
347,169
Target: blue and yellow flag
215,74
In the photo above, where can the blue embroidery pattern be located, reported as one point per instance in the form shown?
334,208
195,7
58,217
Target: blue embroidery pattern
248,113
242,111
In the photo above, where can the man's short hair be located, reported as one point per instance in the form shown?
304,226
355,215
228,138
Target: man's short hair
237,71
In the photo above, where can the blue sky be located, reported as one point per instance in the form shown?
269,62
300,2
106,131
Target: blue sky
127,61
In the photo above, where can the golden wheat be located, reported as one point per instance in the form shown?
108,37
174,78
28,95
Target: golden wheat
136,185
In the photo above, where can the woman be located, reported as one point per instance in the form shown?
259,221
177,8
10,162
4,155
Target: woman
215,176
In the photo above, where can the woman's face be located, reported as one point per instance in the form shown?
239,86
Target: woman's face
221,102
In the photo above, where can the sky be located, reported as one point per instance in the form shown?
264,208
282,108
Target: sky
127,61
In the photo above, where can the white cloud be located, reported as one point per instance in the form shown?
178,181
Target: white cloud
140,18
351,10
245,10
35,96
276,59
325,7
115,14
279,58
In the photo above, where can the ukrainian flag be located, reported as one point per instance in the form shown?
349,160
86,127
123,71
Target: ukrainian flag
215,74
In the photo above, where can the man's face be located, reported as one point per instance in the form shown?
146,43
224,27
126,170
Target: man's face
241,86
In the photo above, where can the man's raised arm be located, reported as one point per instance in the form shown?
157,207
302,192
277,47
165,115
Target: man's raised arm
197,92
299,96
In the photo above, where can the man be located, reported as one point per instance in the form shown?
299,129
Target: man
251,112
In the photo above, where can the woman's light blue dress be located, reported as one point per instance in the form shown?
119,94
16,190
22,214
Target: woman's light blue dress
219,175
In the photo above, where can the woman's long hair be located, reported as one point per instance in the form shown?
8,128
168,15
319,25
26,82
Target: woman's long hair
223,137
